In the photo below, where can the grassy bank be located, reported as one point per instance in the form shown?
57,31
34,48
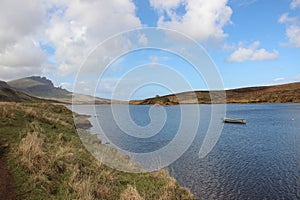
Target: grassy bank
48,161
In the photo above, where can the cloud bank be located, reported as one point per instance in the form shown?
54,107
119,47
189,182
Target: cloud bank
55,36
202,20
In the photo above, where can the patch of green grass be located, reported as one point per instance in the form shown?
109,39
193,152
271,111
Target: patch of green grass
49,161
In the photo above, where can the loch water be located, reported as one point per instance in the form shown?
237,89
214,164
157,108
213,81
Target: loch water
259,160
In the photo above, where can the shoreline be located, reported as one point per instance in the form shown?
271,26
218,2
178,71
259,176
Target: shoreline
237,103
46,157
127,157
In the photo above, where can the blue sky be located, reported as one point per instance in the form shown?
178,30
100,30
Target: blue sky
256,21
254,42
259,22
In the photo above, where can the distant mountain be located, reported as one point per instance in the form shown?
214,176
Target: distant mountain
9,94
287,93
39,87
42,87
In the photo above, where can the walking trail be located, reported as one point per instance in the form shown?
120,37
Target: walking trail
7,189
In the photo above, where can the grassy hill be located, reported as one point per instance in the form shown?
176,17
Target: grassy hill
47,160
9,94
287,93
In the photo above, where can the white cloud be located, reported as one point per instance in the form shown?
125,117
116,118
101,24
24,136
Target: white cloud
165,4
282,80
25,53
18,19
279,79
66,85
203,19
20,24
295,4
292,29
83,25
24,58
72,28
284,18
143,40
252,53
243,3
293,34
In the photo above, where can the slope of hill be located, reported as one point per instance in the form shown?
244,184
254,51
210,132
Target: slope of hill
47,159
9,94
42,87
39,87
287,93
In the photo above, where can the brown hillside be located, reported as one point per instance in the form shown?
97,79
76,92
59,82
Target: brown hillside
287,93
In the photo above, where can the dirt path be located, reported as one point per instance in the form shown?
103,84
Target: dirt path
7,190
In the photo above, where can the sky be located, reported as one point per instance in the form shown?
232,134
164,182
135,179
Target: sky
132,49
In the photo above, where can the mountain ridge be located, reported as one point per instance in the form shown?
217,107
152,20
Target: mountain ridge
40,87
44,88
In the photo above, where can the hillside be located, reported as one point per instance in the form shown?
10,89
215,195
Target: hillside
42,87
287,93
42,157
39,87
9,94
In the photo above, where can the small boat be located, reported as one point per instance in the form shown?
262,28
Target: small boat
234,120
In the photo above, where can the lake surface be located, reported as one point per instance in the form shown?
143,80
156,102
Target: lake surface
259,160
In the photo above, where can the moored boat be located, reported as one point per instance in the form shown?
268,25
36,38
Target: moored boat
234,120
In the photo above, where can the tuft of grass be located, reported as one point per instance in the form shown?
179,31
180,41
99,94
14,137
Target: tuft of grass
48,160
130,193
31,152
81,183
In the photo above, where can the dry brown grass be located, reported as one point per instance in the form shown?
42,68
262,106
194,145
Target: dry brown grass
50,162
171,186
40,162
81,184
130,193
5,109
31,149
